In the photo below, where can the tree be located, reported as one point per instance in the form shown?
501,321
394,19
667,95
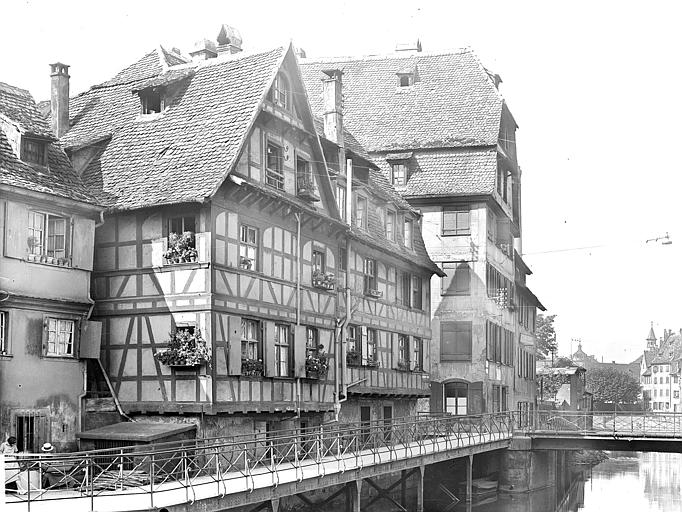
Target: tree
611,385
563,362
544,331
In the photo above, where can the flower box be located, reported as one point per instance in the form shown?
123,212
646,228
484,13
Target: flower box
181,248
252,367
185,349
374,293
245,263
372,363
323,280
404,365
317,364
353,358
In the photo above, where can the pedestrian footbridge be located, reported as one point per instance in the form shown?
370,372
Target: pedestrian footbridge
626,431
226,472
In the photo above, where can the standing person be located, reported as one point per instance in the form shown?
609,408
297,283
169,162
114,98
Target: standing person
9,450
9,447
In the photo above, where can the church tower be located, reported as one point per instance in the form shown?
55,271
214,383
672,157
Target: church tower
651,339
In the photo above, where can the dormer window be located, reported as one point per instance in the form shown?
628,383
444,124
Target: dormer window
33,151
405,79
280,94
399,174
151,100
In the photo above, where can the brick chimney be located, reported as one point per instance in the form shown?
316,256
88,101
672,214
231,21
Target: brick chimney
229,40
203,50
59,98
333,105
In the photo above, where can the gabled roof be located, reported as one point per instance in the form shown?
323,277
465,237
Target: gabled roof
454,103
183,154
17,105
20,114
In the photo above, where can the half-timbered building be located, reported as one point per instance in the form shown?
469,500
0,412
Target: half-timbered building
47,221
223,240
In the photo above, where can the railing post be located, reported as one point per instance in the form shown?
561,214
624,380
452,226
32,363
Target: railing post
151,481
120,470
91,474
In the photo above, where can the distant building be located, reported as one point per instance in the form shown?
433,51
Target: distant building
659,367
572,394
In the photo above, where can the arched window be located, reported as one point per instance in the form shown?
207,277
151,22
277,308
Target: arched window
280,94
456,394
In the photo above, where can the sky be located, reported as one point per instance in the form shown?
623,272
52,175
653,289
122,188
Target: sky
594,87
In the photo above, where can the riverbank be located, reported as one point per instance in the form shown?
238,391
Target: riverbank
589,457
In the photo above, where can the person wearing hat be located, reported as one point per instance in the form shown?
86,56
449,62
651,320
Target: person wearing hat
46,450
9,450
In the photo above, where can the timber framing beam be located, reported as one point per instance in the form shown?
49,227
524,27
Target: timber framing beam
384,493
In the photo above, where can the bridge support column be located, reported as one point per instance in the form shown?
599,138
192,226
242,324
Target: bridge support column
274,504
470,477
420,488
355,492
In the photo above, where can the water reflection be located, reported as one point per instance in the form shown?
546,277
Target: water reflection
645,482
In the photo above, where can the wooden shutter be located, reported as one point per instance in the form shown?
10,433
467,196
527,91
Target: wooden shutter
436,401
83,243
270,355
415,351
159,247
90,340
363,343
300,337
16,230
234,345
476,399
394,343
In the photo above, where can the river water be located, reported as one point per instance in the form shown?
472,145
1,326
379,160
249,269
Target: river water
641,482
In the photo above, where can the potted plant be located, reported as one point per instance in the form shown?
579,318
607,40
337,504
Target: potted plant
245,263
324,280
185,349
316,366
252,367
181,248
353,357
404,365
372,362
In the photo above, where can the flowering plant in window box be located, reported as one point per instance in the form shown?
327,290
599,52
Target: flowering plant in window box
181,248
252,367
245,263
353,357
185,349
324,280
404,365
317,366
372,362
374,293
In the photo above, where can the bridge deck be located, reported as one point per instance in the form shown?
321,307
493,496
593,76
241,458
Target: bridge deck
204,473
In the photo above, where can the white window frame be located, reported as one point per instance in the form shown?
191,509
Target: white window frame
42,226
4,330
408,233
55,327
248,249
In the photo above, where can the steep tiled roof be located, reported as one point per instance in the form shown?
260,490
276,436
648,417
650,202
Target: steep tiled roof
453,102
57,177
18,106
182,154
447,172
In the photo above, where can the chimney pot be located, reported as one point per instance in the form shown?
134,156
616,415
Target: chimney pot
229,40
300,53
59,98
203,50
415,47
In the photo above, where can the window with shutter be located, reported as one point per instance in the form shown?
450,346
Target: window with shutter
455,341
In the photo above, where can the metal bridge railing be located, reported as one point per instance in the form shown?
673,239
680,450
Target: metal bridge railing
638,424
191,470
